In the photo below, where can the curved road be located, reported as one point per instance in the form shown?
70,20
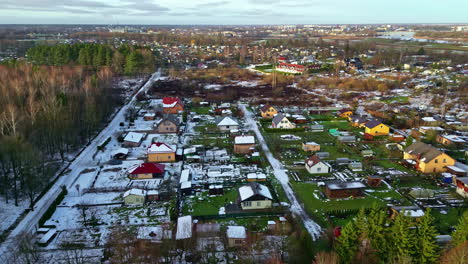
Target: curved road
313,228
82,161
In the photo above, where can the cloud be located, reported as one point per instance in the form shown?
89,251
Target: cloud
212,4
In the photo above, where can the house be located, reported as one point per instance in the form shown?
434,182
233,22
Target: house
227,123
132,139
450,140
358,121
374,181
290,68
149,116
310,146
255,196
147,170
134,197
281,121
346,113
355,166
315,166
411,211
268,111
169,124
172,105
236,236
344,189
376,128
160,152
185,182
244,144
184,227
426,158
120,153
462,186
256,177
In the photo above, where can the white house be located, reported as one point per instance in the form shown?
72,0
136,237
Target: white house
281,121
315,166
227,123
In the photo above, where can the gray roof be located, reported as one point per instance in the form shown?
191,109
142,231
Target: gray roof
425,151
277,119
345,185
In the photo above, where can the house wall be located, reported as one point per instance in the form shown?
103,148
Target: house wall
227,128
318,168
166,127
270,113
436,167
380,130
284,124
129,144
161,157
142,176
346,114
243,148
260,204
310,147
235,242
174,110
462,192
134,199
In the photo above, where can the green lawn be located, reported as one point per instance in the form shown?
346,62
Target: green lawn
444,222
396,99
206,205
201,110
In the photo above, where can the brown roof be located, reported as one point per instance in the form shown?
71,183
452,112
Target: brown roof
312,160
265,107
425,152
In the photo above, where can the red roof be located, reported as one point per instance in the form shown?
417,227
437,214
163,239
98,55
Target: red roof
313,160
282,58
291,65
148,168
171,100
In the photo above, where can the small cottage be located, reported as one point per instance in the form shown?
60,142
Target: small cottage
315,166
376,128
236,236
132,139
310,146
169,124
160,152
147,170
134,197
255,196
281,121
227,123
244,144
268,111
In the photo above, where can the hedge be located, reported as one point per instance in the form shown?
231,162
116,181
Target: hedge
281,130
50,211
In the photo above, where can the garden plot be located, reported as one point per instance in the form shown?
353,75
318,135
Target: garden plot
205,204
115,176
140,215
9,212
82,237
140,125
92,199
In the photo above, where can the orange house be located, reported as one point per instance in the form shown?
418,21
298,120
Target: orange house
161,152
172,105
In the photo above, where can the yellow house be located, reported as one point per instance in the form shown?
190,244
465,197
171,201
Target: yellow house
134,196
161,152
427,159
344,113
376,128
255,196
268,111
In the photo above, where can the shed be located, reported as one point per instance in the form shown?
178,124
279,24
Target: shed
344,189
236,235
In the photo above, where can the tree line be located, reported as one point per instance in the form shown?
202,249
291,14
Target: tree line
47,112
126,59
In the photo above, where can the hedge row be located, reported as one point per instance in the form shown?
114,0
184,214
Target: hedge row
50,211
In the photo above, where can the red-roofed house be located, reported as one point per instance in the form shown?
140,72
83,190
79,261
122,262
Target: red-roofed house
315,166
290,68
172,105
161,152
147,170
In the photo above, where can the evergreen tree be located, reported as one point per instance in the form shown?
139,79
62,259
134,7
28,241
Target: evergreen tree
134,62
348,243
421,51
460,234
401,237
426,249
377,233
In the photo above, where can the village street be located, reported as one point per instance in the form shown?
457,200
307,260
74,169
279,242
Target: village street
312,227
82,161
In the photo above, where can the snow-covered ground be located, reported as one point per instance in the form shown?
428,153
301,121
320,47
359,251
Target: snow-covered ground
83,161
313,228
9,212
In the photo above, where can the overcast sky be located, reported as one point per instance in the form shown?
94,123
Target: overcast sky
232,11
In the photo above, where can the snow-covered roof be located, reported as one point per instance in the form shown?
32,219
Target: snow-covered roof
345,185
184,175
311,143
123,151
159,147
135,191
244,140
227,121
238,232
133,137
250,190
429,119
186,185
184,227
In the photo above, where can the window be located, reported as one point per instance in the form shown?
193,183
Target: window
436,161
259,203
237,241
227,126
248,204
434,170
169,157
319,169
444,161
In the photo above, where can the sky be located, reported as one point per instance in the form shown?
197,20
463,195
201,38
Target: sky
232,12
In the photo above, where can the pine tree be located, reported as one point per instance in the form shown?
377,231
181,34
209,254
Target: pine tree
402,238
348,243
460,234
377,233
426,249
134,62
